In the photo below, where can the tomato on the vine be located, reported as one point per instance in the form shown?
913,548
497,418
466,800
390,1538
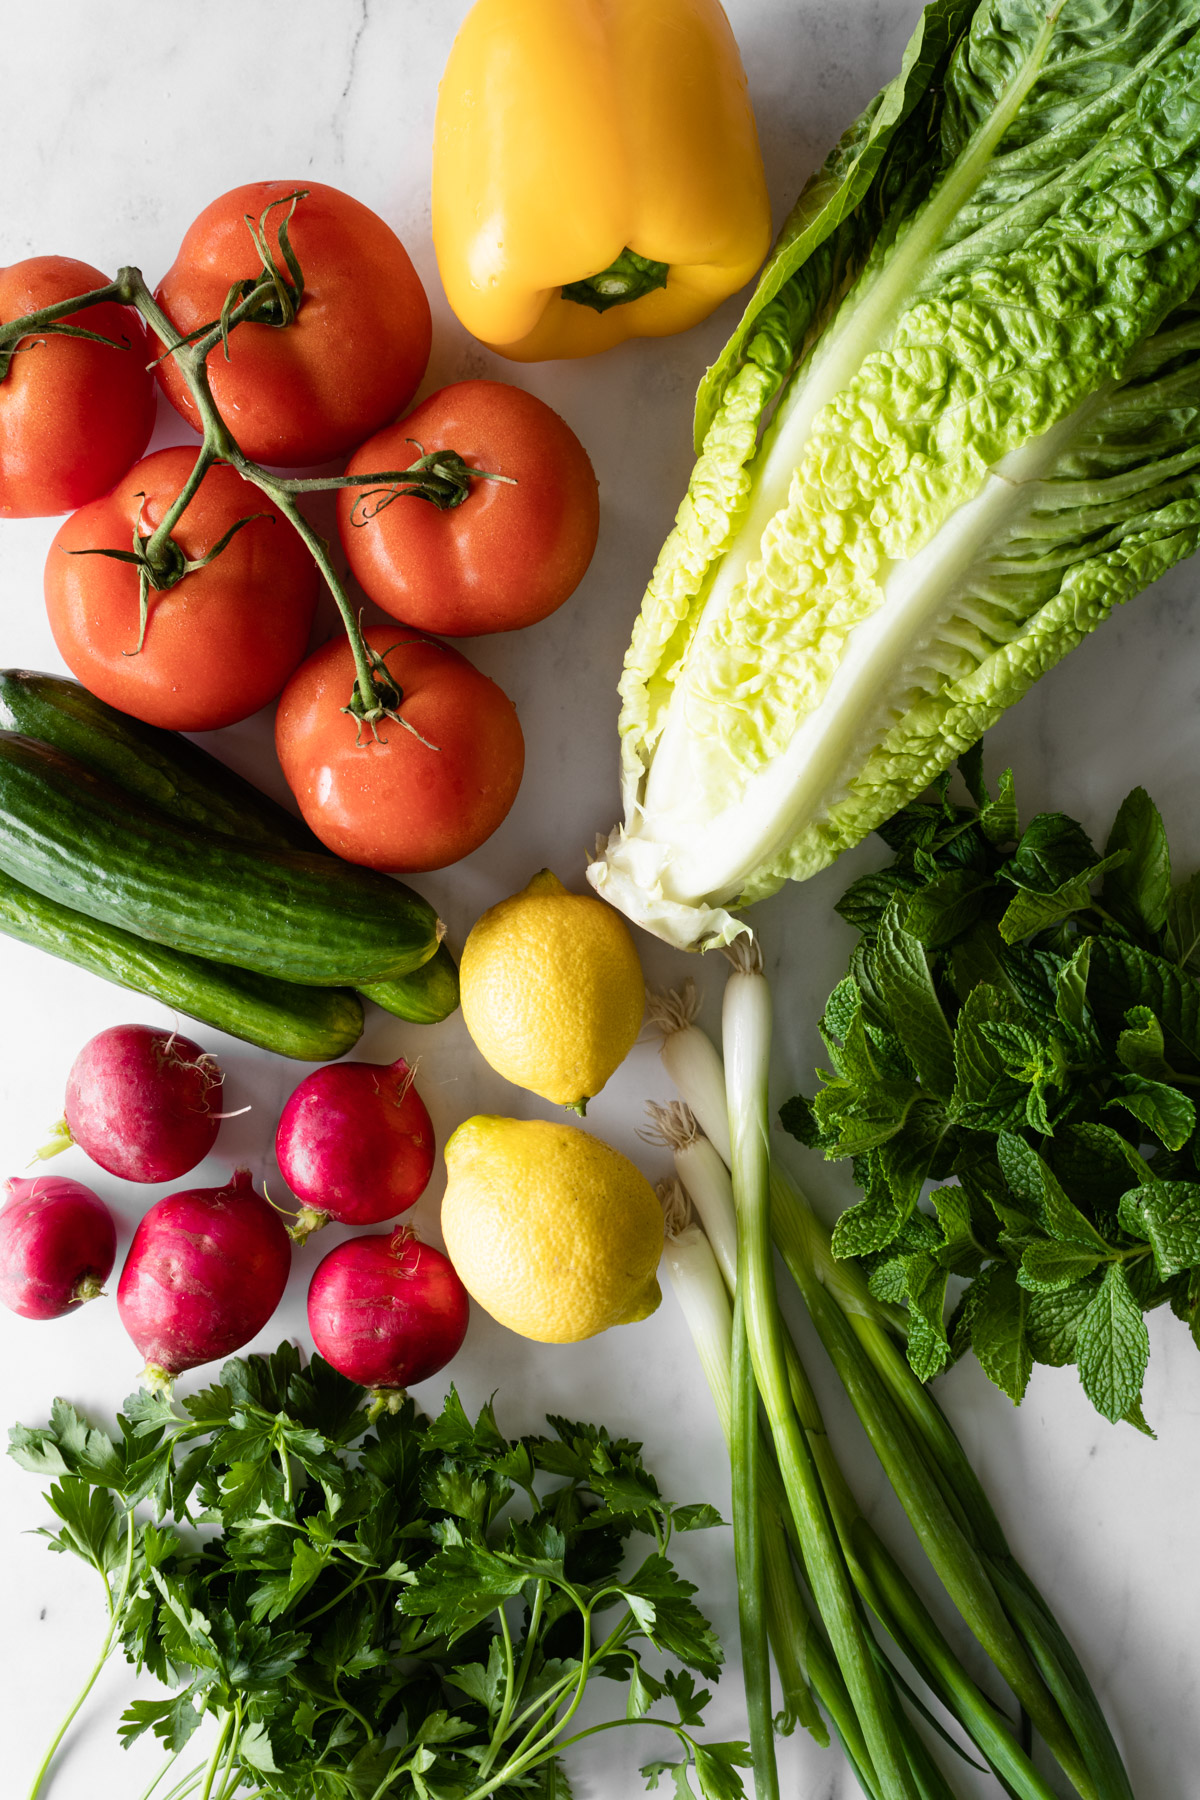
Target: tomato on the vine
73,414
353,355
218,644
512,551
400,801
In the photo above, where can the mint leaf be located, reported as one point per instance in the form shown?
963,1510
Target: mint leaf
1036,1185
959,1252
799,1121
1140,1046
1183,924
861,1106
1032,911
1094,1161
998,820
999,1335
1053,1321
866,900
1123,976
970,767
987,1095
1167,1215
1053,851
1070,989
868,1225
1113,1347
947,907
902,973
1047,1267
1164,1111
1137,891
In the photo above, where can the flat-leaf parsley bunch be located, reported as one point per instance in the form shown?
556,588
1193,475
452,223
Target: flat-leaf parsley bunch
1021,1025
414,1612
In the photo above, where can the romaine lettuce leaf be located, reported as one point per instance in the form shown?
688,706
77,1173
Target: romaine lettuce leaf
955,437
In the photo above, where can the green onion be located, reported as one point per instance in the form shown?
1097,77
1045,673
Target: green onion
747,1036
921,1455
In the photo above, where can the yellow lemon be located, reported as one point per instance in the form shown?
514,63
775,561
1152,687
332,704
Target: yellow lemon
554,1233
552,990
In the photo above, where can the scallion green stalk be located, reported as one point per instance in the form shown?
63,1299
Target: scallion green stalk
929,1469
702,1295
876,1575
747,1037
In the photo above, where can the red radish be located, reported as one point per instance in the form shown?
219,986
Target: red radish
142,1103
206,1269
386,1309
355,1144
57,1246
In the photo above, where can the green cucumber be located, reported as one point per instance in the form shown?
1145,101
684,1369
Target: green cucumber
310,1023
162,767
430,993
179,778
75,838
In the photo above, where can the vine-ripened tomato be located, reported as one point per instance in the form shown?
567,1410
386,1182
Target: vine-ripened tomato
222,641
508,554
73,414
353,356
400,804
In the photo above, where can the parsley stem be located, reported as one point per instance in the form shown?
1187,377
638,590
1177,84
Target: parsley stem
116,1611
533,1748
218,1752
510,1695
165,1770
531,1632
352,1710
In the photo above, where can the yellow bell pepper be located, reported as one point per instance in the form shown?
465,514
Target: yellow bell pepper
596,172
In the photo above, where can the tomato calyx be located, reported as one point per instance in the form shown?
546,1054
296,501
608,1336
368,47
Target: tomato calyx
161,563
272,297
385,699
440,476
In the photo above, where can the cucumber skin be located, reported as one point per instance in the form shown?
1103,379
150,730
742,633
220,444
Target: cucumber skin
179,778
426,996
161,767
74,838
309,1023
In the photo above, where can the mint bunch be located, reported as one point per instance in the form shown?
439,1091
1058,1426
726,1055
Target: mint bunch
1020,1025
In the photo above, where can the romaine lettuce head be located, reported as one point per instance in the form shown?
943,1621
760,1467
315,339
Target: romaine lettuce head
959,423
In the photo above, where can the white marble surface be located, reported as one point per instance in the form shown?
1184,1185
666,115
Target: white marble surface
117,127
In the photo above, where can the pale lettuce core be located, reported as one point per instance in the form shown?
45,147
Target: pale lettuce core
960,423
